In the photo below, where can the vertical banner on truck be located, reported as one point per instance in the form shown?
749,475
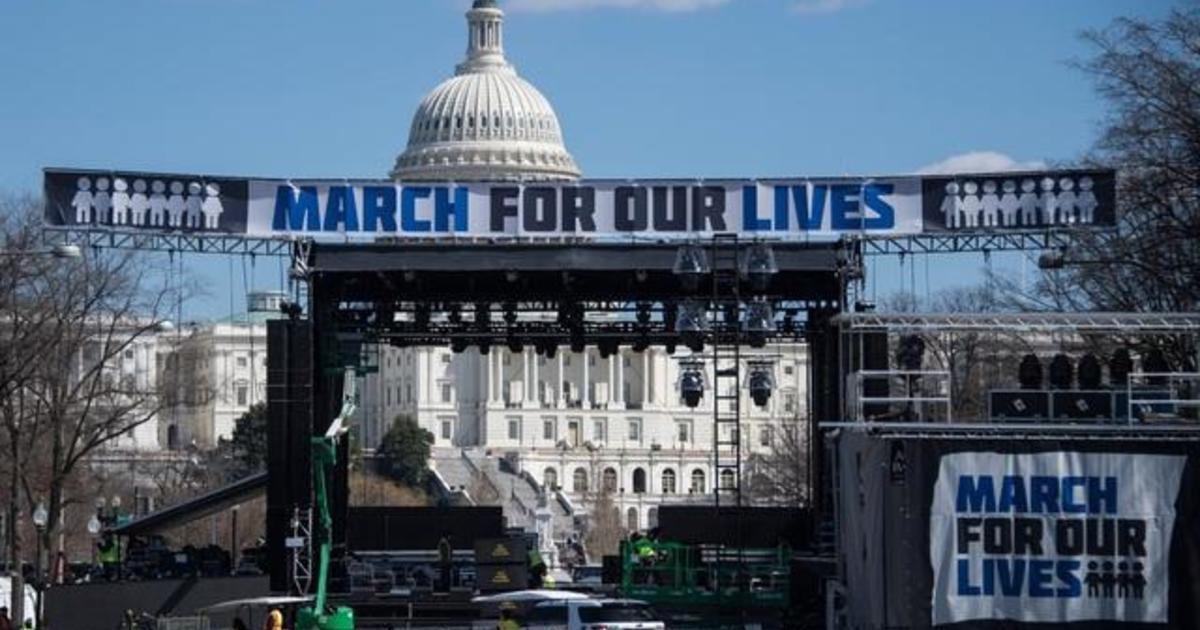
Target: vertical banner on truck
1053,537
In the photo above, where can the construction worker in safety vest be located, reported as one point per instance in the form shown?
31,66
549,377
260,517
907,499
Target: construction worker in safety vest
274,620
537,568
109,554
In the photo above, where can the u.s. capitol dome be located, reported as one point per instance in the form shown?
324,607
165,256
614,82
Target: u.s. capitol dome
485,123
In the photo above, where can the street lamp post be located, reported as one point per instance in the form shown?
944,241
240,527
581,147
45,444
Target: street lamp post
94,526
40,518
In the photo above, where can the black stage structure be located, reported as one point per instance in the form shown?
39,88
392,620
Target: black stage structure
553,297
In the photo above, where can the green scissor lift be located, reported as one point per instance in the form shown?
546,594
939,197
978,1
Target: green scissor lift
676,574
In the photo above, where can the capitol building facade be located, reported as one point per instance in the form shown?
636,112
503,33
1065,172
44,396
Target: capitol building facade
521,430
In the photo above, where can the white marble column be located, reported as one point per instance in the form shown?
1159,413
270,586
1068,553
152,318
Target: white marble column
489,370
646,377
618,393
525,377
534,381
562,399
584,393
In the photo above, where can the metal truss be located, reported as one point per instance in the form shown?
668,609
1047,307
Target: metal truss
147,240
1021,431
150,240
952,242
983,322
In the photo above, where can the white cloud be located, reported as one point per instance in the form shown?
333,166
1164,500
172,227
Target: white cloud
818,7
678,6
979,162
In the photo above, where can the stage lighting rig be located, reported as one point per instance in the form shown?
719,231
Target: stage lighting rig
421,317
643,314
458,345
1062,373
758,266
483,316
1029,373
691,265
608,348
1089,373
761,382
760,321
692,323
691,382
1119,367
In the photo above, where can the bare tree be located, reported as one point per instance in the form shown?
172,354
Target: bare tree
1148,72
779,477
69,326
604,527
975,361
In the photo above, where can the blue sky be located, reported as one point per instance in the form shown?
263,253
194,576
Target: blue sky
642,87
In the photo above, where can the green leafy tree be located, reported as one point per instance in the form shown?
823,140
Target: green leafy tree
403,453
246,450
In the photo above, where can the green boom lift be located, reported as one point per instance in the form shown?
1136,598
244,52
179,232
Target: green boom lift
324,457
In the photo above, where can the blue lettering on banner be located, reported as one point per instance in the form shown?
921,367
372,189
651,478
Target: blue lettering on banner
297,209
444,208
379,208
408,209
750,220
1014,552
341,210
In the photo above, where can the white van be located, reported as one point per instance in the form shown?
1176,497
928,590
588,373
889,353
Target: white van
593,614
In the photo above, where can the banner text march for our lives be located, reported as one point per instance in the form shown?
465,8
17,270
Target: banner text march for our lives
805,208
1052,537
778,209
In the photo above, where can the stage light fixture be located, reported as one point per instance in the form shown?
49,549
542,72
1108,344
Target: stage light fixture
514,344
454,314
421,316
691,323
1155,362
482,315
510,313
643,313
458,345
1062,373
1119,367
760,386
485,346
731,313
691,387
1029,374
760,321
608,348
1089,373
669,347
691,263
759,266
1052,259
789,321
577,344
670,314
641,344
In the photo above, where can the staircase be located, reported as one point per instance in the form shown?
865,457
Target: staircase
517,494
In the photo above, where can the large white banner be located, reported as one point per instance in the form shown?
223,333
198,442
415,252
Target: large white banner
1053,537
793,209
617,210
